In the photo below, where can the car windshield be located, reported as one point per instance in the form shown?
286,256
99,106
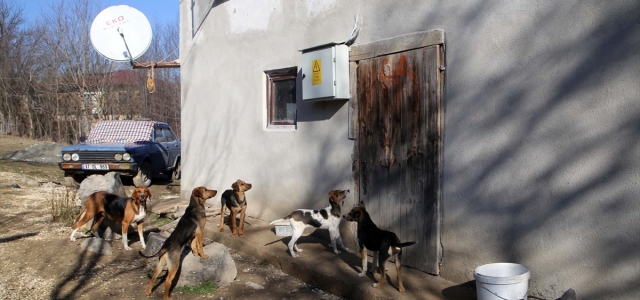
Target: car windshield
121,131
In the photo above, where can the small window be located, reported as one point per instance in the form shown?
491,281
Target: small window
158,137
281,97
199,11
168,134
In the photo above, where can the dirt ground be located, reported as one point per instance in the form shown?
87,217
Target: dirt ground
39,262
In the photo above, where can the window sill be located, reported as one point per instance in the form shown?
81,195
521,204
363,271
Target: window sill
281,128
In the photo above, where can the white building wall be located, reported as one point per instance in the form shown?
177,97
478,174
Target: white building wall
224,110
541,159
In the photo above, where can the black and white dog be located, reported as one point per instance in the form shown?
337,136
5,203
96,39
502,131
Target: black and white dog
326,218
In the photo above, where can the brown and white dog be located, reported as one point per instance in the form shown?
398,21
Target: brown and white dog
383,243
326,218
190,229
236,201
120,210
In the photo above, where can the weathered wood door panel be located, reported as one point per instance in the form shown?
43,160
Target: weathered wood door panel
399,149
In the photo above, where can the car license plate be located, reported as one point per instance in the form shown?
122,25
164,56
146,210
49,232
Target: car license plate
95,167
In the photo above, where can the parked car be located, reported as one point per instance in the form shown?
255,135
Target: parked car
139,149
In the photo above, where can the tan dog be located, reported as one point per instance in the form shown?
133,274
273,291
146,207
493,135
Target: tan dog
190,229
121,210
236,201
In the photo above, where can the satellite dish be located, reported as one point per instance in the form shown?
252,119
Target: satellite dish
121,33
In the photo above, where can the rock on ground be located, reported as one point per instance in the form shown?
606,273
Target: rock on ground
219,267
109,182
45,152
154,242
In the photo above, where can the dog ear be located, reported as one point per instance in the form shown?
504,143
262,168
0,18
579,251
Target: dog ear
147,193
332,195
197,192
234,186
361,204
135,194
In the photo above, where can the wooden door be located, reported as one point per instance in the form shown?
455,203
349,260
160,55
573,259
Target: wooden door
399,148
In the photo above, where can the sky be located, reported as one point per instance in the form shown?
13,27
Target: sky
154,10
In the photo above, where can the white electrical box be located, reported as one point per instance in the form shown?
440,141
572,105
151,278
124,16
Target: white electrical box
325,73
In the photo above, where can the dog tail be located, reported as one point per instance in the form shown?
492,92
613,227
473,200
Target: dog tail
159,253
406,244
278,221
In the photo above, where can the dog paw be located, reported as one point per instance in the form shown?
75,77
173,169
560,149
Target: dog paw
221,229
345,249
204,256
73,239
361,274
294,255
127,248
337,252
375,285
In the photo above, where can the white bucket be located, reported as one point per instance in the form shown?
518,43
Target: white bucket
502,281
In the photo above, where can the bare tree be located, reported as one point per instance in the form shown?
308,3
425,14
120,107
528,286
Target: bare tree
10,32
54,85
78,83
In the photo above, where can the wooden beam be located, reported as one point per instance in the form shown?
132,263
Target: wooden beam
157,65
397,44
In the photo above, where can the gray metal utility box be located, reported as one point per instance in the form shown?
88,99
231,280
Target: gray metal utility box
325,73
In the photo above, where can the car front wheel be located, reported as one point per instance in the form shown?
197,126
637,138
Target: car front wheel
143,178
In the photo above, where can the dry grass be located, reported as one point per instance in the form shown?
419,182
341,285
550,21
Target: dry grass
62,205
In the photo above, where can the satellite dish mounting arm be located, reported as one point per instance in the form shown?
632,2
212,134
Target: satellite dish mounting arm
127,46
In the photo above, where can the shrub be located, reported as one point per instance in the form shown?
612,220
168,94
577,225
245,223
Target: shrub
62,205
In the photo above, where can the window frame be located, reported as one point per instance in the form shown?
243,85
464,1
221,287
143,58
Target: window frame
274,76
199,12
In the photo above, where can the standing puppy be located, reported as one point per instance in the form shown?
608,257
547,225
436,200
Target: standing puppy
383,244
190,229
326,218
121,210
236,201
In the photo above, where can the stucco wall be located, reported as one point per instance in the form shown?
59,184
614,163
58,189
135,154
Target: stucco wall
223,104
541,151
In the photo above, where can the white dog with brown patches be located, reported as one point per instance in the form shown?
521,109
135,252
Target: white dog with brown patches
326,218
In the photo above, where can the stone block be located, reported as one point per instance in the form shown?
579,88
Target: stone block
154,242
219,267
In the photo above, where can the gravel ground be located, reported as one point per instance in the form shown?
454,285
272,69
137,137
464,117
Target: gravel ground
39,262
